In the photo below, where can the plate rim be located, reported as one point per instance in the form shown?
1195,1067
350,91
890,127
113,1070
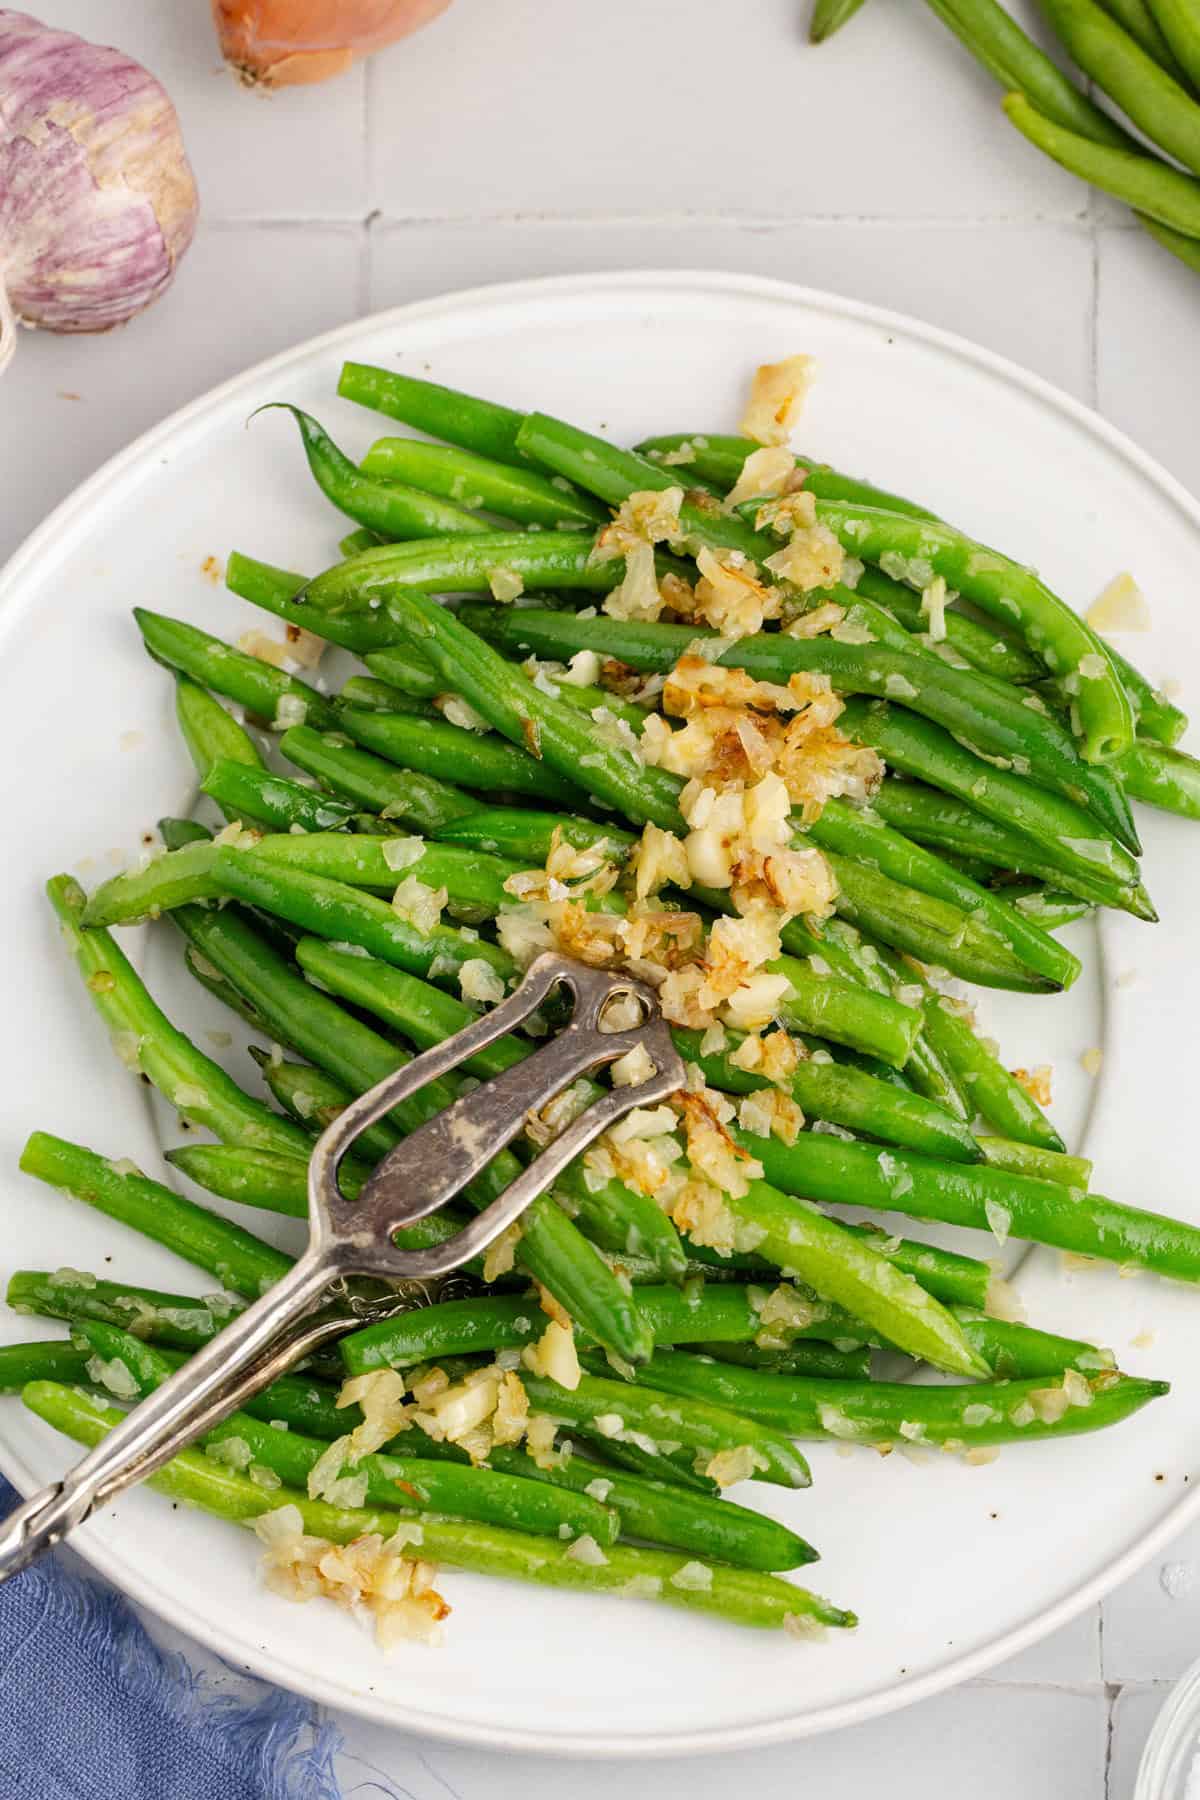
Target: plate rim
74,509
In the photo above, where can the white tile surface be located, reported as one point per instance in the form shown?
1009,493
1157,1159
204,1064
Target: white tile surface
521,139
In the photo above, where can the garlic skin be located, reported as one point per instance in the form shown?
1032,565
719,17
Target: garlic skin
97,198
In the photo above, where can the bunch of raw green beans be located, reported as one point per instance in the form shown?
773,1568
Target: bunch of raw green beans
1142,55
1013,746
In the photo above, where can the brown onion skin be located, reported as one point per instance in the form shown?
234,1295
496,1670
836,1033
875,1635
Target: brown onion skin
288,43
97,198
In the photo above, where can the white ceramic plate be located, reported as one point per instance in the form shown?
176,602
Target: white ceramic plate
951,1568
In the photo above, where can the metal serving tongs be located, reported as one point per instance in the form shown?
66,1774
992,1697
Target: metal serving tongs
316,1300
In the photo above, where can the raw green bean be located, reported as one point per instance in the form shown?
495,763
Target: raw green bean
875,1412
275,591
1154,100
409,798
479,425
481,483
238,1260
551,1248
146,1041
270,694
1142,181
259,797
450,753
996,40
662,1513
1187,249
388,509
996,1094
621,1409
1137,19
208,730
1181,28
744,1595
332,910
719,459
543,559
1029,1159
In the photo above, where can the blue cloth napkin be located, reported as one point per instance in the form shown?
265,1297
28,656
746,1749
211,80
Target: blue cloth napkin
92,1709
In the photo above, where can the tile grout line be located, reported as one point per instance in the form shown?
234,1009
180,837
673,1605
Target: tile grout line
739,222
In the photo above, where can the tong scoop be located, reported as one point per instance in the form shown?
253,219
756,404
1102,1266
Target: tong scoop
318,1299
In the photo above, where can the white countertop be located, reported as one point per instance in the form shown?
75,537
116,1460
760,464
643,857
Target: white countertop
534,138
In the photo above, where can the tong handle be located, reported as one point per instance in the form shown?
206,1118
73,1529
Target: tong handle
220,1376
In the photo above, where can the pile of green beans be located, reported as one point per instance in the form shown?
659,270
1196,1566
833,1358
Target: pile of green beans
1014,748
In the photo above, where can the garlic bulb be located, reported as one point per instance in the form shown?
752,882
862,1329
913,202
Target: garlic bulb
97,200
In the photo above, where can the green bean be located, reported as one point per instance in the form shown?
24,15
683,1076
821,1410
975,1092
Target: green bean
179,1320
1050,909
551,1248
744,1595
316,1099
996,1094
260,1178
1181,29
924,751
661,1513
1143,182
388,509
377,863
1169,779
612,474
1187,249
414,674
208,730
1020,1350
330,909
260,797
621,1409
275,591
279,699
450,753
146,1041
617,1216
984,645
996,40
845,1096
528,837
934,817
1137,19
410,798
479,425
1030,1159
238,1260
946,1274
828,17
380,697
175,833
876,1412
543,559
45,1361
354,541
846,1268
912,549
720,458
801,1359
1154,100
481,483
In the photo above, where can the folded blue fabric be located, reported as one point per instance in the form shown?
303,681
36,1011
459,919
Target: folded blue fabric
92,1709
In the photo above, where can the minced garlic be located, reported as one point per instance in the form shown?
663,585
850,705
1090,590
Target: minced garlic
777,396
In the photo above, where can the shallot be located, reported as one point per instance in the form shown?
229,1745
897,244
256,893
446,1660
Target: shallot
279,43
97,199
